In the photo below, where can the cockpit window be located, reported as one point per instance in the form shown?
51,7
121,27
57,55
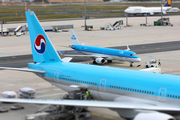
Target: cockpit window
133,55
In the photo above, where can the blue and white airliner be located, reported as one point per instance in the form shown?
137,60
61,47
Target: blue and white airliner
100,55
137,95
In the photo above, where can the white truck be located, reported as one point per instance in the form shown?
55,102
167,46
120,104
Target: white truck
151,63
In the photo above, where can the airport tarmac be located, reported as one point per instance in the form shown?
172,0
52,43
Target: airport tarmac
136,35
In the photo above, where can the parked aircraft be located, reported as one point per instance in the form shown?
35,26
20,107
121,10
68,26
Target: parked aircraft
133,94
149,10
100,55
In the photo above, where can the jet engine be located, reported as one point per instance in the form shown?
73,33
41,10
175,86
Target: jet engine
100,60
164,12
153,116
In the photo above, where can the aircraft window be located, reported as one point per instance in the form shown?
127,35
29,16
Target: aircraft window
170,95
119,87
110,85
137,90
85,81
144,91
128,88
95,83
140,91
175,96
178,97
147,92
152,92
133,89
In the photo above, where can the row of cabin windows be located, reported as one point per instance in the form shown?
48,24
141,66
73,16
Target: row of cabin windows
79,81
104,51
173,96
132,89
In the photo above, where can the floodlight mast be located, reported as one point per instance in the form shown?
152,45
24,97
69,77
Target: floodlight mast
161,12
85,15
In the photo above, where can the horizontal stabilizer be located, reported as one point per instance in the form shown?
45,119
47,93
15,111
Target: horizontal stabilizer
23,69
101,104
67,59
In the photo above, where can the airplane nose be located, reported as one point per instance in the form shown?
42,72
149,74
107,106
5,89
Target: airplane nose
139,59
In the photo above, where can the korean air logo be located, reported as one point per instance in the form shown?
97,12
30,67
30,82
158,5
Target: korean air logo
73,37
40,44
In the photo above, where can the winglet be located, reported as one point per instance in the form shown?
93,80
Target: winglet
128,48
74,38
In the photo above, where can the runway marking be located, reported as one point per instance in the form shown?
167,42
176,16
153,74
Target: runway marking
170,59
105,116
51,95
37,88
172,70
157,48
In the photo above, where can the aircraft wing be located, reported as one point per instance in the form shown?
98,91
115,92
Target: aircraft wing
23,69
91,56
101,104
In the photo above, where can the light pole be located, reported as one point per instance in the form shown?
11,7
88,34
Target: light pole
85,15
161,12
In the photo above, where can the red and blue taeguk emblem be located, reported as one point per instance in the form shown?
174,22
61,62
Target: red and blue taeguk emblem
40,44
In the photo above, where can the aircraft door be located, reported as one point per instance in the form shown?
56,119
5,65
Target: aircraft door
56,75
162,95
102,86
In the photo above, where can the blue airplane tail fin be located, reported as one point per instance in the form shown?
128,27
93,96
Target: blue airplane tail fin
42,48
74,39
168,3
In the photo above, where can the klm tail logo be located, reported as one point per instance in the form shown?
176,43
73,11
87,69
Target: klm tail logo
73,37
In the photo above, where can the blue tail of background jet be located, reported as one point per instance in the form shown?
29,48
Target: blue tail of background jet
168,3
42,48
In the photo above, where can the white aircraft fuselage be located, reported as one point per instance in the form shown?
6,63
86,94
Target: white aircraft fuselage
144,10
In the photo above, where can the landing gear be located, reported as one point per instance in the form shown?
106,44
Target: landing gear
109,61
94,62
131,64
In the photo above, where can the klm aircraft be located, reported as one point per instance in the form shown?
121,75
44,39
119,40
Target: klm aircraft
137,95
100,55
